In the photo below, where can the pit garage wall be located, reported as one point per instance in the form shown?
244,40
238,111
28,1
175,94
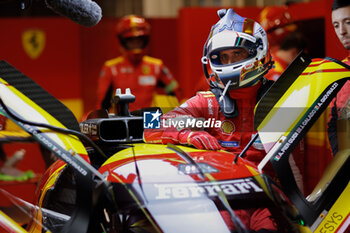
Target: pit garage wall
48,51
69,57
65,58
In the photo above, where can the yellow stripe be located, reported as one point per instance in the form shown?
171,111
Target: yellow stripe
114,61
9,134
144,149
76,106
317,133
152,60
71,142
10,223
49,183
208,95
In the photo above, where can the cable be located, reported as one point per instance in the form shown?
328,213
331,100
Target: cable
54,128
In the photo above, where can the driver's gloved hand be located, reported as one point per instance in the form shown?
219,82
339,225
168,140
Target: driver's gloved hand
199,139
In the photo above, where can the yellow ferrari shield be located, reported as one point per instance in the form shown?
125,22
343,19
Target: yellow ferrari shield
33,41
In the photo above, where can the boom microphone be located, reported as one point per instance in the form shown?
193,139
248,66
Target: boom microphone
83,12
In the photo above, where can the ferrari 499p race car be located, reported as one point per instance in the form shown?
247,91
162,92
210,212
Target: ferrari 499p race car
107,180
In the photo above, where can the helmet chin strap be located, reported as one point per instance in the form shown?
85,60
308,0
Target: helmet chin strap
225,90
227,105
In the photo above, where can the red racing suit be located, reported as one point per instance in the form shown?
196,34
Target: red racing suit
255,220
144,80
233,134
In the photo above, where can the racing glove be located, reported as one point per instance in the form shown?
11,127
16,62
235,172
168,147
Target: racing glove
199,139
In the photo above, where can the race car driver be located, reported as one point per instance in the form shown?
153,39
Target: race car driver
237,53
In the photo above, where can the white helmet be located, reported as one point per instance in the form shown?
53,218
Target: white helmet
230,32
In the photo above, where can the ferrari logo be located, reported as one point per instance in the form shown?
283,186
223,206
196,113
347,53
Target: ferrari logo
146,70
33,41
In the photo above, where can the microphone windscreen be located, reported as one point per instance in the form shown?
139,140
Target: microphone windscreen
83,12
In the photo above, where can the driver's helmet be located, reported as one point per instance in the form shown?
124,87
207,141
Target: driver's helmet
277,22
233,32
130,27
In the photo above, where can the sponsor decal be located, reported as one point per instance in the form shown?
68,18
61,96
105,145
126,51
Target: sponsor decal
51,145
210,189
210,107
305,122
147,80
227,127
229,143
33,41
332,222
126,70
88,129
277,158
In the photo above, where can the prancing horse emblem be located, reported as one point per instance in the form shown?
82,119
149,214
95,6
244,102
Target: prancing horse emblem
33,41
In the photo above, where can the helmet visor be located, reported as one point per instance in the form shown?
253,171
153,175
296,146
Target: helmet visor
231,55
137,42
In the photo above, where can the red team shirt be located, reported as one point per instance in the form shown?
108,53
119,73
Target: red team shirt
144,80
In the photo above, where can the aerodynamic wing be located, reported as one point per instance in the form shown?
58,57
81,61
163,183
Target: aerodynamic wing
43,117
287,120
291,110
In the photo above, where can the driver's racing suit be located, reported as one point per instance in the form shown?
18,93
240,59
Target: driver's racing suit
233,134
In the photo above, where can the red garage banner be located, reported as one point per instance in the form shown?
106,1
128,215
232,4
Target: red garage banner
48,51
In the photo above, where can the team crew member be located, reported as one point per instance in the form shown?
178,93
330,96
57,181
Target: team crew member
284,39
143,74
341,24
